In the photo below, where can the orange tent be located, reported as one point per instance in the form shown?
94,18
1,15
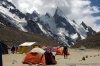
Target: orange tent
59,51
35,57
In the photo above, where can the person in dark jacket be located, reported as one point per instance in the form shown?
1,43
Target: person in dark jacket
65,51
13,49
50,58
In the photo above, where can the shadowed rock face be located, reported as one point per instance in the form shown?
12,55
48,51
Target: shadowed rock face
59,20
33,27
6,21
88,29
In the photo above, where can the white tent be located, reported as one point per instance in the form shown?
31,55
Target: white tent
38,50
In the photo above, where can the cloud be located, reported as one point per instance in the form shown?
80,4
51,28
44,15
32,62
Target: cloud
91,21
79,10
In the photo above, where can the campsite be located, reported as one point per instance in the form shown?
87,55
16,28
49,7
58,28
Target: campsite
32,54
92,58
49,32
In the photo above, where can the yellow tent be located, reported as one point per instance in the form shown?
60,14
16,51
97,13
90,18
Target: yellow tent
26,47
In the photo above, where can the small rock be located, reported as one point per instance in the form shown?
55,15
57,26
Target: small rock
83,58
86,56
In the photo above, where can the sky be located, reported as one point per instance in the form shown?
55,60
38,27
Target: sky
87,11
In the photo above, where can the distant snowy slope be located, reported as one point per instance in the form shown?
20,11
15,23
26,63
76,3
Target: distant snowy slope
12,18
57,27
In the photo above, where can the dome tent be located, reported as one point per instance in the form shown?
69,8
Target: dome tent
35,56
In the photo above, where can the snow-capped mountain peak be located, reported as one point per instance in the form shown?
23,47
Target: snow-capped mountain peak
88,29
58,27
59,12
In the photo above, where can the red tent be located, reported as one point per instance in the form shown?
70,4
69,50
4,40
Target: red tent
35,57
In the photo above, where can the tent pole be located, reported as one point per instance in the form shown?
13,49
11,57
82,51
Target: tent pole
1,55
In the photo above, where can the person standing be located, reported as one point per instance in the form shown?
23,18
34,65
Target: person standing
16,48
65,51
13,50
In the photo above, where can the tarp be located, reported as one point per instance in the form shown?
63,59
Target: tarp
26,47
27,44
53,49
